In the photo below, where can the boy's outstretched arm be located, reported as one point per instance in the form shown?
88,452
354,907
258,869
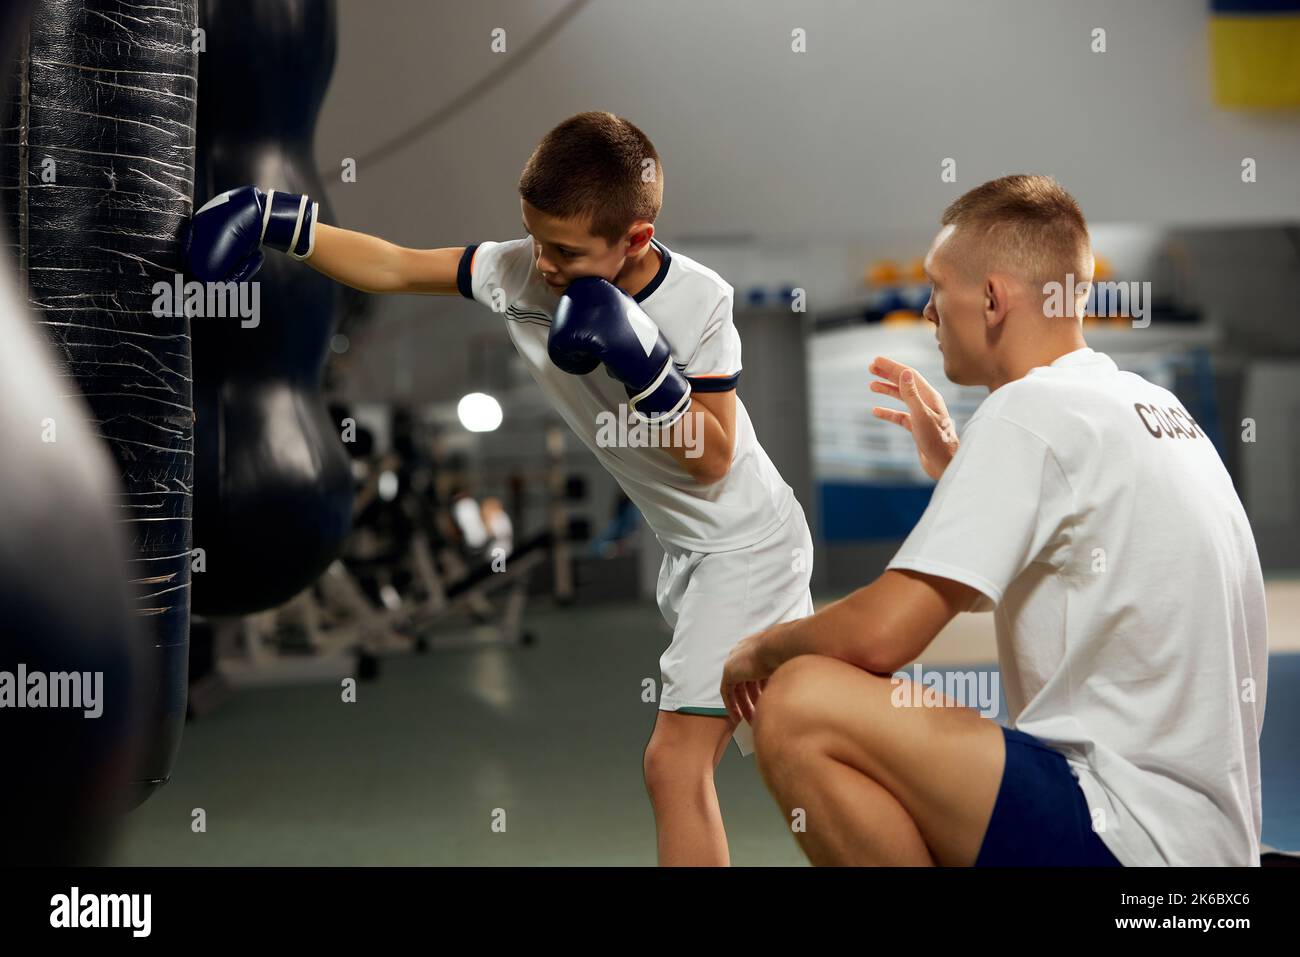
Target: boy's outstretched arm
372,264
225,239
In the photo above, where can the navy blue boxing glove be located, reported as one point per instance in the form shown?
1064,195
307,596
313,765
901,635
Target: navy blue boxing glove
224,240
596,322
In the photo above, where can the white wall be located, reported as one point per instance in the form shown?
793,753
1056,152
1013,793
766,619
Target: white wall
840,141
801,168
780,166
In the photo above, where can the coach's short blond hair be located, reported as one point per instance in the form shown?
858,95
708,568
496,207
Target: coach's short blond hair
1028,226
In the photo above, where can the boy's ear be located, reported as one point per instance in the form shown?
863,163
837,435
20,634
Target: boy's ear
638,236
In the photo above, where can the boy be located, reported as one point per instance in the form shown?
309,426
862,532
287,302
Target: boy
1094,515
591,286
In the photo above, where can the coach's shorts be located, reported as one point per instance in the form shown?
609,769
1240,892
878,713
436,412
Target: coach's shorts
1040,818
712,600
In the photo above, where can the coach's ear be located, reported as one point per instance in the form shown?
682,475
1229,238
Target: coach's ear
999,290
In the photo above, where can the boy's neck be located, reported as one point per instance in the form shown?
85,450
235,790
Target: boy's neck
636,276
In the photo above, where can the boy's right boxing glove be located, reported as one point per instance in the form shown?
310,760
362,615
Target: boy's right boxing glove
224,240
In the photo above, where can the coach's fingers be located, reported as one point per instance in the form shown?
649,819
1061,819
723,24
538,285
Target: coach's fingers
909,390
893,415
729,702
893,371
885,388
744,702
928,393
886,368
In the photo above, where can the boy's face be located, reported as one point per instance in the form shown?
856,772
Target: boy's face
564,251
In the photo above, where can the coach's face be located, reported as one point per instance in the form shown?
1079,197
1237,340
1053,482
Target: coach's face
957,308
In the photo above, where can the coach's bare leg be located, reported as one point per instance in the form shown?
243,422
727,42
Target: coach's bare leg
878,783
683,751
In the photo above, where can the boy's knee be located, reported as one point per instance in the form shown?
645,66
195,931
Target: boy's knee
671,768
668,769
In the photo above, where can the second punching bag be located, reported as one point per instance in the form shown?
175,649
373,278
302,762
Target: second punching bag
273,488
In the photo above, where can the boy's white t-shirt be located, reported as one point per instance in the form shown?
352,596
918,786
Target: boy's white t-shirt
1100,524
692,306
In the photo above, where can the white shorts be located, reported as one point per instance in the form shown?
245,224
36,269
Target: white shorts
712,600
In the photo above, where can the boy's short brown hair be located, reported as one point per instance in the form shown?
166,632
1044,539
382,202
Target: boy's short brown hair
599,166
1026,225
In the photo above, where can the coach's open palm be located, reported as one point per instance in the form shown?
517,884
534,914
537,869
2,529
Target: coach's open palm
926,417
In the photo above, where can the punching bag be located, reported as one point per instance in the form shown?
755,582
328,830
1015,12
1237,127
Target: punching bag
93,618
99,150
273,487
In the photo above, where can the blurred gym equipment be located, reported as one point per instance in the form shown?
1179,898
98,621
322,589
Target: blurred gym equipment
427,567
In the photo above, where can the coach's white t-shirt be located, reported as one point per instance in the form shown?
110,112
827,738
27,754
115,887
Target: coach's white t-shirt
1102,527
692,306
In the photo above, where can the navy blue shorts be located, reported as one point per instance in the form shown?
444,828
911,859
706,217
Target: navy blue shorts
1040,818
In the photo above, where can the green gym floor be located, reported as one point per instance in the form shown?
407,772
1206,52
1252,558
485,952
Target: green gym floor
551,734
413,772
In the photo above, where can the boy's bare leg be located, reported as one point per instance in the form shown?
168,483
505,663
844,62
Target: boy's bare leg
680,759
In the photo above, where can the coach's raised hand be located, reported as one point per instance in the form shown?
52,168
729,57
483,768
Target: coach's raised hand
225,238
926,417
597,322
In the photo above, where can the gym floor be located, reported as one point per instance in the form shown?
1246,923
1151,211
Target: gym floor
415,771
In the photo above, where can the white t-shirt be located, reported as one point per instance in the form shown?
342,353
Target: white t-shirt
1097,518
691,304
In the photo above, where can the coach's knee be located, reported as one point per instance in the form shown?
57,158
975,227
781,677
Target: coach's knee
787,711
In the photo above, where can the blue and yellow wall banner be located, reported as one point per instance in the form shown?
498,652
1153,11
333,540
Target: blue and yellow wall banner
1255,53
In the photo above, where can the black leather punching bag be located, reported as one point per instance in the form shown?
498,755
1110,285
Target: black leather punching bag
95,161
273,490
